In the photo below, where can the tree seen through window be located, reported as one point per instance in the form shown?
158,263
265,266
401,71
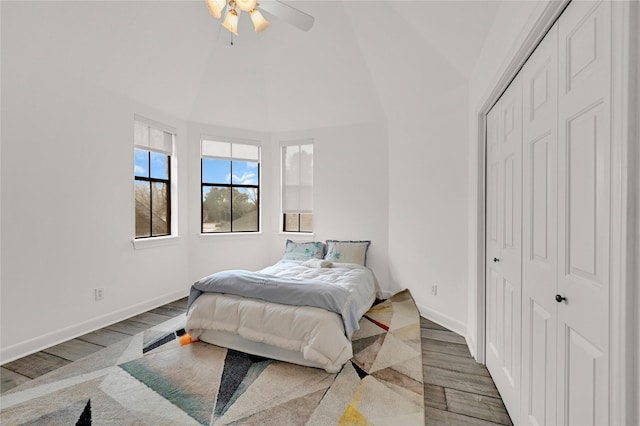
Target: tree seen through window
230,193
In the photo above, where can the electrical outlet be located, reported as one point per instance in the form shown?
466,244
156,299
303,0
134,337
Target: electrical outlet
99,293
434,290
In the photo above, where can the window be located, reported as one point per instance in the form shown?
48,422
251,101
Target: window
153,147
230,180
297,187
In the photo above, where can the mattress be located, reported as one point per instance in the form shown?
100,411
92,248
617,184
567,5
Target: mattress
302,334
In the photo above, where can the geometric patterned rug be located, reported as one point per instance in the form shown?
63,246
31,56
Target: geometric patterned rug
160,377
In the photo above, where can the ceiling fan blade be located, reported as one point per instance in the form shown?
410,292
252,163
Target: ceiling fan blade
289,14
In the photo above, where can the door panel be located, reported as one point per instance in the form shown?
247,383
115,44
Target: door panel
509,332
492,313
585,368
494,233
492,203
539,232
538,405
511,157
584,146
541,193
504,244
509,181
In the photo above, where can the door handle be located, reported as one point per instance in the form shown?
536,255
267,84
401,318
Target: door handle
495,259
560,299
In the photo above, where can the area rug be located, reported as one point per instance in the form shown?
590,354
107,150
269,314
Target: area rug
160,377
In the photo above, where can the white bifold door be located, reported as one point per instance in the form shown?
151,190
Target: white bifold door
548,311
540,233
584,203
504,245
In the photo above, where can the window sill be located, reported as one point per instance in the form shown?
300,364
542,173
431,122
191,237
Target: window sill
234,235
144,243
300,235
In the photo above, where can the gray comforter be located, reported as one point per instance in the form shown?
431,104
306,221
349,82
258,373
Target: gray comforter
286,291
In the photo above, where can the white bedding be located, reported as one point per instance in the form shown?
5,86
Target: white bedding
316,333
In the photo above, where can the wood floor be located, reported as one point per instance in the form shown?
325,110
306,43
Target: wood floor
457,390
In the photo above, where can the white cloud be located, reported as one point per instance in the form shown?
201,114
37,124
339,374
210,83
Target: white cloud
247,178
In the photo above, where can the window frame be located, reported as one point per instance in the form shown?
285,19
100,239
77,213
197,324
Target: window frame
170,182
283,214
151,181
231,185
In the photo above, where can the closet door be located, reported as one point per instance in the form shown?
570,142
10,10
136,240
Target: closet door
504,252
584,192
539,233
493,241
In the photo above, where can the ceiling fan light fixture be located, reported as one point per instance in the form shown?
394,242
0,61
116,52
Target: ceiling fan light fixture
246,5
276,8
231,21
216,7
259,22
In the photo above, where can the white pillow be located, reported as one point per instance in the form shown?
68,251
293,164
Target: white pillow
317,263
347,251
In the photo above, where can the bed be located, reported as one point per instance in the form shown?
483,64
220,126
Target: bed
303,309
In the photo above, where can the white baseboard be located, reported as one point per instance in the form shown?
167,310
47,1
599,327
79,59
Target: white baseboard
441,319
444,320
472,346
36,344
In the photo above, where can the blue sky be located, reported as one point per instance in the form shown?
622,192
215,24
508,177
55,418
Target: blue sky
213,170
159,168
219,171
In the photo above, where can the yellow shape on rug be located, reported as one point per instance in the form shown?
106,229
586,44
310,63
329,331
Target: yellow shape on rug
352,416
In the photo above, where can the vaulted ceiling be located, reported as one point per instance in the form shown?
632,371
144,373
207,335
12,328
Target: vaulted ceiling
355,65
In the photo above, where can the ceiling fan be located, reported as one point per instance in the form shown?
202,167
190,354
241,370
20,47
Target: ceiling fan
281,10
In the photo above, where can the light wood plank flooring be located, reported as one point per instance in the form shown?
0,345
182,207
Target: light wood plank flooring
457,390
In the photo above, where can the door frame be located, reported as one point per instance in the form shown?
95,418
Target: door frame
625,129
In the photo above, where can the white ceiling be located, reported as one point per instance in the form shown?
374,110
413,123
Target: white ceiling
456,29
174,56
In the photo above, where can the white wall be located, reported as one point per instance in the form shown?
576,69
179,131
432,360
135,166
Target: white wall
351,189
68,204
213,253
398,176
427,224
423,94
350,198
73,76
67,190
